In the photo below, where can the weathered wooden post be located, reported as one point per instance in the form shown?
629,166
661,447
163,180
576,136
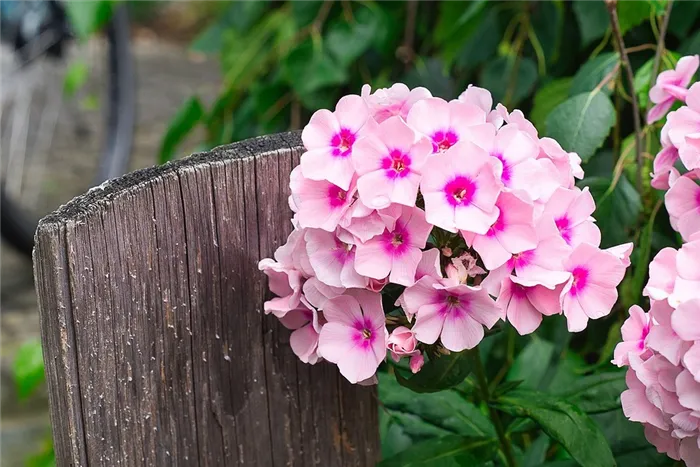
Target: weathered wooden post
156,348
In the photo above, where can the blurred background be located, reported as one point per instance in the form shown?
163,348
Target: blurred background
94,89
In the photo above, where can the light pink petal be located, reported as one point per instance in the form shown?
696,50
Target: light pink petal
686,68
688,390
429,115
429,323
429,264
438,212
466,114
682,197
686,320
483,308
478,96
343,309
367,154
622,252
524,317
461,332
372,259
335,341
576,317
358,364
352,112
666,342
687,263
322,165
634,326
491,250
304,342
691,360
320,130
473,219
403,269
662,275
597,301
419,294
349,278
376,190
546,301
658,111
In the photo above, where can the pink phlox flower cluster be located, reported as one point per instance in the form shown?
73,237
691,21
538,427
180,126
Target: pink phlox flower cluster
661,349
677,165
457,211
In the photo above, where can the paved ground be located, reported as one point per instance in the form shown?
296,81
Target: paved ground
166,76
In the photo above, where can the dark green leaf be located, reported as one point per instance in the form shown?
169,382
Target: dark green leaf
537,452
446,410
692,45
507,83
456,24
563,422
658,7
431,74
448,451
184,121
593,72
683,15
483,42
532,363
88,17
441,373
239,16
547,20
596,393
346,42
617,210
506,386
592,19
309,70
642,80
567,371
643,257
582,123
632,13
547,98
28,368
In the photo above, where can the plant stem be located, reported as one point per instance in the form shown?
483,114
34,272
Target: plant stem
661,46
614,21
493,413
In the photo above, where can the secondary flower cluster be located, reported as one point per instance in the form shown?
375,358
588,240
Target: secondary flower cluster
677,166
418,222
662,350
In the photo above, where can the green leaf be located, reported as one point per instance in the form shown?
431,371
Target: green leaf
547,98
683,16
346,42
431,74
76,76
441,373
593,72
184,121
617,209
563,422
309,70
446,410
456,24
582,123
448,451
596,393
531,364
592,18
506,83
643,257
632,13
658,7
642,83
482,43
88,17
547,22
28,368
537,452
692,45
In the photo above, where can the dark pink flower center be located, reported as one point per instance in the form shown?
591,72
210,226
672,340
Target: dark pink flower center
396,243
498,226
443,140
454,305
518,291
564,226
520,260
342,142
396,164
336,196
580,278
697,200
363,335
507,170
645,333
460,191
343,251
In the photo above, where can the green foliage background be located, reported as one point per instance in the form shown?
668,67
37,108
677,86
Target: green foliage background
556,61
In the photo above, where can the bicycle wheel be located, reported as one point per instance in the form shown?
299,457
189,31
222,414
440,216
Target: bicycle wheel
36,183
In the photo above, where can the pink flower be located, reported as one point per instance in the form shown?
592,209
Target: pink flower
622,252
687,283
567,164
354,337
524,306
634,334
683,203
663,441
512,233
517,153
304,322
319,204
671,85
364,223
689,153
591,291
663,168
460,189
444,122
389,163
477,96
416,362
284,282
397,100
662,275
429,264
636,405
454,312
571,211
462,268
685,321
329,138
333,259
542,265
662,338
517,118
402,343
681,123
396,252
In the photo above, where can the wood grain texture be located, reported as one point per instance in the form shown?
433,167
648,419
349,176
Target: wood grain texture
156,347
